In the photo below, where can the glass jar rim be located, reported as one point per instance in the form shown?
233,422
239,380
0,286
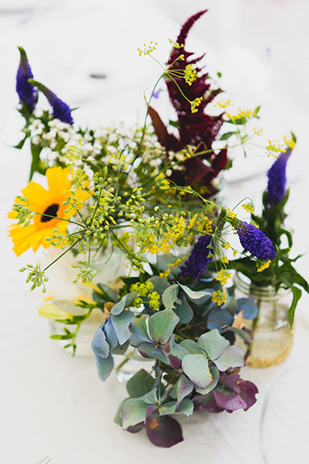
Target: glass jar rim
243,283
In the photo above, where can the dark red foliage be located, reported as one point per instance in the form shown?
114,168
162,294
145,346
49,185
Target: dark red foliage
197,129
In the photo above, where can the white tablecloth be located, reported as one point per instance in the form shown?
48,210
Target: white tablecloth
52,404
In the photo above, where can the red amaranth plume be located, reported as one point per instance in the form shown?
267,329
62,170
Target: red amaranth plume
198,129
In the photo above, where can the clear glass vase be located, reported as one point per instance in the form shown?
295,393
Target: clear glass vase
108,264
272,335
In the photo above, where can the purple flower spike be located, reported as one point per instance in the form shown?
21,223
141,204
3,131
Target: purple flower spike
200,257
26,91
61,110
276,187
254,240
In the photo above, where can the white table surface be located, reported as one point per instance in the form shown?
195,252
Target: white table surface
54,405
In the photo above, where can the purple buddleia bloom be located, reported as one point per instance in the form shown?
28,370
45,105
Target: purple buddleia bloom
276,187
26,91
61,110
200,256
254,240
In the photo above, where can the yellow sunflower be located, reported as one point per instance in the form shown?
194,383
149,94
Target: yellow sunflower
46,203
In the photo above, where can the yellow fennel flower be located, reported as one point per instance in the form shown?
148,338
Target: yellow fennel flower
50,211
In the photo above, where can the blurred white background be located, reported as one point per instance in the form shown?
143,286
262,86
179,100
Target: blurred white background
49,402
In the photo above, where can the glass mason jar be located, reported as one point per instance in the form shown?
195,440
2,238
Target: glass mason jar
272,335
108,264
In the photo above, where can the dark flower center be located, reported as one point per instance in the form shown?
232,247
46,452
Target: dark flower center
50,211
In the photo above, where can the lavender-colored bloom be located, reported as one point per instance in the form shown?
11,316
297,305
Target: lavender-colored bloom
276,187
61,110
200,256
26,91
255,241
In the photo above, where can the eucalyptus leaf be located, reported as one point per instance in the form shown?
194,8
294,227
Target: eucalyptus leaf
195,366
184,310
215,379
162,325
213,343
233,356
105,366
159,283
198,297
248,306
170,296
140,384
139,331
133,412
121,324
99,345
184,388
125,302
149,350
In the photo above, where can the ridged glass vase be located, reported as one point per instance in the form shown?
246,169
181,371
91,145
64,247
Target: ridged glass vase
272,335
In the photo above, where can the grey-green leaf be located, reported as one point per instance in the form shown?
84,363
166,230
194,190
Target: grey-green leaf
195,366
133,412
213,343
233,356
170,296
162,325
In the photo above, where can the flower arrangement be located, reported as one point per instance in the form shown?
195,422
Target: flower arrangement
148,193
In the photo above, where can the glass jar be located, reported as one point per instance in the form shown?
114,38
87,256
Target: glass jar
108,264
272,335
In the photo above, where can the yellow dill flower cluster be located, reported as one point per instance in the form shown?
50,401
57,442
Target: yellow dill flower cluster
224,260
231,213
223,276
223,103
249,207
289,141
146,290
175,44
242,115
219,297
195,104
148,49
274,147
158,235
258,131
170,265
190,74
262,266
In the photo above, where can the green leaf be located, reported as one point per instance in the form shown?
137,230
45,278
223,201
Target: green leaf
105,366
139,330
117,418
184,388
159,283
191,346
133,412
125,302
185,407
297,293
213,343
215,379
121,324
162,325
202,296
195,366
140,384
184,311
170,296
106,294
233,356
227,135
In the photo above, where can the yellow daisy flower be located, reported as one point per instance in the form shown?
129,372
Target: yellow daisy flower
46,203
